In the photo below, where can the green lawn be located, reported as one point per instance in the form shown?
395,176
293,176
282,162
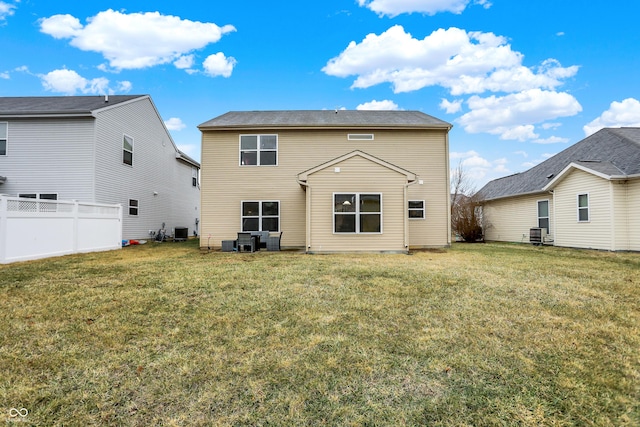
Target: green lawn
164,334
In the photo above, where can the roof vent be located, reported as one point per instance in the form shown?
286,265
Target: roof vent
106,98
550,175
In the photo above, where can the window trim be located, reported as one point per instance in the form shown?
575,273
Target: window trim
357,212
586,208
260,216
6,140
134,206
360,137
257,150
548,217
423,209
124,150
194,177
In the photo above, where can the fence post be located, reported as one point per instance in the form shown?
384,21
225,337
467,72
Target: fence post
76,222
3,229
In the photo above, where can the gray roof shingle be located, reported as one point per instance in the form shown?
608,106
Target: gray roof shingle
324,118
610,151
58,105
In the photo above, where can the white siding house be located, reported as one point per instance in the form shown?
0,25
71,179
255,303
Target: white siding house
593,193
112,150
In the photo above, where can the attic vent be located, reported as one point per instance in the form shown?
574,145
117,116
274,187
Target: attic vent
360,137
550,176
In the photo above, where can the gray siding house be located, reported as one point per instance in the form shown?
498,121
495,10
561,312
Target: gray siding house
101,149
586,196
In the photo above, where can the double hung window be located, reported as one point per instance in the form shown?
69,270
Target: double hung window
357,213
543,214
133,207
4,131
127,150
261,215
416,209
583,208
258,150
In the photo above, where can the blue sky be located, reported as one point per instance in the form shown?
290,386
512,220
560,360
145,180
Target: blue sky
519,80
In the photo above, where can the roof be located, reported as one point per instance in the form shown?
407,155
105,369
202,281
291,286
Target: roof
610,152
59,105
324,119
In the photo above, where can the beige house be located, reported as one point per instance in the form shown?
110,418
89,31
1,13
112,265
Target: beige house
330,181
586,196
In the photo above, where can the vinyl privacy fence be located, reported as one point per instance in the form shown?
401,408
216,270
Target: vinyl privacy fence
32,229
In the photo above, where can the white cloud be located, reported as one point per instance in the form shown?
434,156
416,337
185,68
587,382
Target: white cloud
429,7
69,82
136,40
184,62
513,116
378,105
219,65
457,155
463,62
521,153
620,114
451,107
6,10
4,75
551,140
174,123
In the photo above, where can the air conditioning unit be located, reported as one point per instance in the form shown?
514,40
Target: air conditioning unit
537,235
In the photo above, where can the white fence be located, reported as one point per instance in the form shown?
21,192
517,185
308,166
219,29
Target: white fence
32,229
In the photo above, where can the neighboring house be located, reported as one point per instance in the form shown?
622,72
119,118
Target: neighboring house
100,149
586,196
330,181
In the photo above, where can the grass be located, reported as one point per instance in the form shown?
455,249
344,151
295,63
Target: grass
164,334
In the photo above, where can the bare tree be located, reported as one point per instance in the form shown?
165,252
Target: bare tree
466,217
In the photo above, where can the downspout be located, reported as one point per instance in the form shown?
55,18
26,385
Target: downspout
448,179
406,213
307,215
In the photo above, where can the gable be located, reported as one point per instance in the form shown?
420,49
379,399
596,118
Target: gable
337,162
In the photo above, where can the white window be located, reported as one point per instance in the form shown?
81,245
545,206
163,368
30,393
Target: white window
133,207
543,214
194,177
416,209
41,196
583,207
260,215
258,150
360,137
127,150
357,213
4,134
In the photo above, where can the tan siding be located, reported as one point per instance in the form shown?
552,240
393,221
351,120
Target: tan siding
225,183
628,195
510,220
595,234
619,192
357,175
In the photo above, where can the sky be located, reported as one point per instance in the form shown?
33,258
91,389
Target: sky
519,80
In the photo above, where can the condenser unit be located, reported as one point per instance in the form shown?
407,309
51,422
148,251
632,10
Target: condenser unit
537,235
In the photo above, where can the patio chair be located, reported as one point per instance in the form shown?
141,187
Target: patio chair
246,240
273,242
